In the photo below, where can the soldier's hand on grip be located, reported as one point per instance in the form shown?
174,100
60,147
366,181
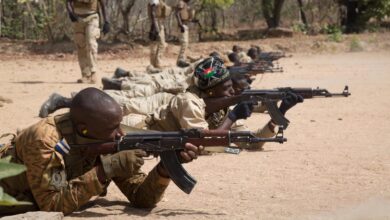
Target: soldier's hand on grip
290,101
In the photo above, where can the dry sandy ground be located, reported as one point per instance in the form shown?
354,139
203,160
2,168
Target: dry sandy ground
335,165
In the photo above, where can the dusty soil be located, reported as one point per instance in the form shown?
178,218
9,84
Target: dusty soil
335,164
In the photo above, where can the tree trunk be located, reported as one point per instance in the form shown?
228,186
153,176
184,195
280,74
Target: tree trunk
1,15
272,10
302,13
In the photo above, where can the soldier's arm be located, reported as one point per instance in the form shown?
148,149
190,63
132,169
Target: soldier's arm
153,15
189,112
179,7
47,180
69,6
143,191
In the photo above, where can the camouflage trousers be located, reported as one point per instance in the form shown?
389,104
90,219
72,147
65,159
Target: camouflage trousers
157,47
140,105
184,39
86,33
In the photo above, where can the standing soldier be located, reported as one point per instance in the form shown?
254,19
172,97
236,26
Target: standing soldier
85,18
184,15
158,10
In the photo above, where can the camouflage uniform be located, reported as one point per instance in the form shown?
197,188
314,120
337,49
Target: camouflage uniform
60,178
186,15
244,58
136,109
187,110
86,33
159,46
172,80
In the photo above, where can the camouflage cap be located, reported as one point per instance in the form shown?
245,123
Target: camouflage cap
210,72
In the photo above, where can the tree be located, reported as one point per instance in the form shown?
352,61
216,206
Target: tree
212,6
357,13
272,12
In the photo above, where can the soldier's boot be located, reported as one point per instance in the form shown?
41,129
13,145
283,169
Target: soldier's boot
182,63
84,79
55,102
93,78
119,73
151,69
111,84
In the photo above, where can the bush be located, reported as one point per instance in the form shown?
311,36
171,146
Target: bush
8,169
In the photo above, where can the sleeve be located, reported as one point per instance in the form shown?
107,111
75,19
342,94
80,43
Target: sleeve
189,112
180,5
143,191
47,180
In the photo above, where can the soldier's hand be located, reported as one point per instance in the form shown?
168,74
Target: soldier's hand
106,27
241,111
190,153
182,28
123,164
73,17
290,101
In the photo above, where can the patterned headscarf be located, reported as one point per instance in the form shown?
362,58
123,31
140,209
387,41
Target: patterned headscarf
210,73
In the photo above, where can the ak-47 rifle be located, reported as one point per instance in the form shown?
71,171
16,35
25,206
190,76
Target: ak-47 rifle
270,56
165,144
254,68
270,99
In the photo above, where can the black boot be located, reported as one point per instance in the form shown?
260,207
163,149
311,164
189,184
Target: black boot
119,73
182,64
111,84
55,102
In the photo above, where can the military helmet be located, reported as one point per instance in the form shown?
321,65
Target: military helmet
210,72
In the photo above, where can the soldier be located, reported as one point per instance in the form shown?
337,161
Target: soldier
158,10
188,110
184,14
63,178
85,18
171,80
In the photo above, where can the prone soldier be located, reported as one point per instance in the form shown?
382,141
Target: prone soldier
63,178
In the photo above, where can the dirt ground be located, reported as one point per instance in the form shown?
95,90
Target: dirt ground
335,165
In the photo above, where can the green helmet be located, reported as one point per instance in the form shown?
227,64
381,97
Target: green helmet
210,72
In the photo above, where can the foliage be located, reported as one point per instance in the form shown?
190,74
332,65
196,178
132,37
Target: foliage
355,45
300,27
217,3
334,33
8,169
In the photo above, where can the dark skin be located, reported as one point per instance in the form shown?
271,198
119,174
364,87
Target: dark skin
221,90
154,19
100,119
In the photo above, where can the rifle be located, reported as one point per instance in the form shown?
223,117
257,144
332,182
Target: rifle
165,144
270,99
254,68
271,56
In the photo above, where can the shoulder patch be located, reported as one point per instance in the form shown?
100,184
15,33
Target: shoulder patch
62,147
